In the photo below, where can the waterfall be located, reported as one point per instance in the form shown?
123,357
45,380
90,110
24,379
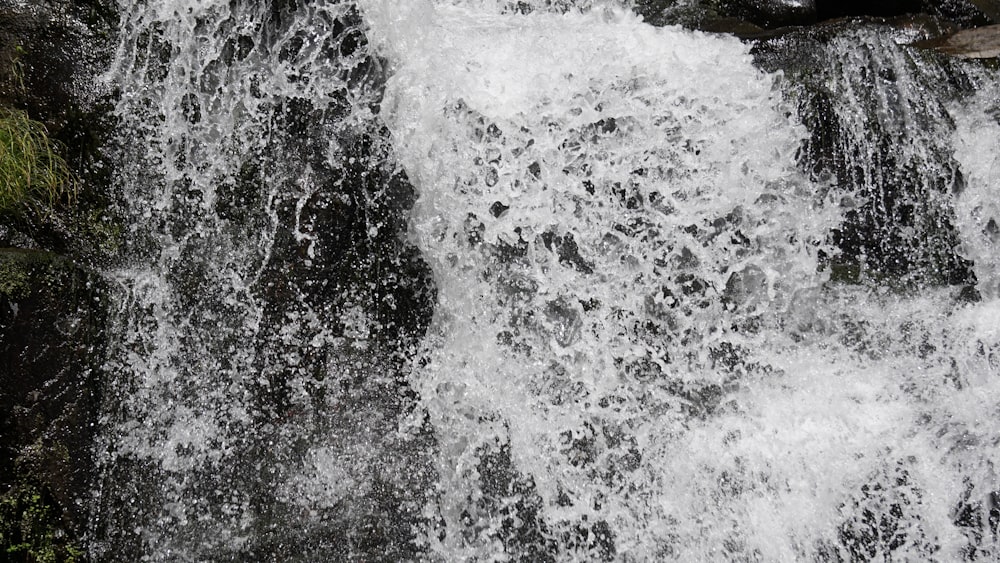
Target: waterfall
267,299
536,281
975,144
881,126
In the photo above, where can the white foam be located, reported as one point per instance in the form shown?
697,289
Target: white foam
977,206
602,362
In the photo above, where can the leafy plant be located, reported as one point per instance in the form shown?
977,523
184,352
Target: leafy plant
33,177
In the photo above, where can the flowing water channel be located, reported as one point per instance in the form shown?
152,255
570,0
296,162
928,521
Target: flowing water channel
465,281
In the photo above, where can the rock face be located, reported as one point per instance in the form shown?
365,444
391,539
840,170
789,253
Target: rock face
52,311
746,17
47,48
847,77
50,52
342,265
295,302
51,329
771,13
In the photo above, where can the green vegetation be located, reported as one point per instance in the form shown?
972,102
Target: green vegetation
33,178
23,271
29,528
13,279
17,68
56,222
50,192
31,522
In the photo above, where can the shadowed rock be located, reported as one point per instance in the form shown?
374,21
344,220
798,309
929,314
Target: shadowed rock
52,318
976,43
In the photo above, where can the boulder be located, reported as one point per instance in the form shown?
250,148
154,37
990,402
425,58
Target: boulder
976,43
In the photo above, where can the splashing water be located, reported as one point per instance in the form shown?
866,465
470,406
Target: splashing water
259,291
880,124
636,352
976,143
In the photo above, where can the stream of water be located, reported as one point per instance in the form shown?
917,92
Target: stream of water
449,280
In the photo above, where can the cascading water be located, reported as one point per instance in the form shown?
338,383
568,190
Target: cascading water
636,350
608,237
880,125
267,300
978,207
629,310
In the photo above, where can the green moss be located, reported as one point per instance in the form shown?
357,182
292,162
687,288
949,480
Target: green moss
31,523
102,234
13,279
22,271
29,528
32,176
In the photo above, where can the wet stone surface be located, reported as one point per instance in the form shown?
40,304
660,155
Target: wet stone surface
52,320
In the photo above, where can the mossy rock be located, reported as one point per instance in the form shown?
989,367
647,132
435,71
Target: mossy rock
52,319
31,529
56,127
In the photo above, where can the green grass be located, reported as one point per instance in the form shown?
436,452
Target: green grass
33,178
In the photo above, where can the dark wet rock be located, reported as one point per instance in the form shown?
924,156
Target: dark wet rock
568,251
732,26
52,319
52,311
339,301
50,55
349,250
563,319
882,520
750,18
847,78
340,273
50,52
670,12
510,499
962,12
771,13
728,15
746,287
853,8
352,277
978,518
498,209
